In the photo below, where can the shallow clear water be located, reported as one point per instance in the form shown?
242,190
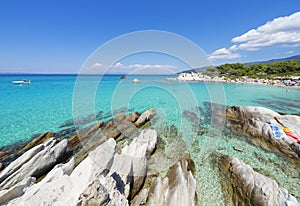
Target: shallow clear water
48,105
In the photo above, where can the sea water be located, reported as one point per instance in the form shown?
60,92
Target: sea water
44,105
51,102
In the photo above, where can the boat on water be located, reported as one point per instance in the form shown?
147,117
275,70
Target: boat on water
135,80
123,77
26,81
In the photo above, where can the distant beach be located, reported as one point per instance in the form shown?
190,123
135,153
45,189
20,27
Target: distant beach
292,81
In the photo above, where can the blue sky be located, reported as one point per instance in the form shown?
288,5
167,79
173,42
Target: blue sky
57,36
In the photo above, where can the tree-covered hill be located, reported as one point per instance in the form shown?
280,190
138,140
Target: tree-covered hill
261,70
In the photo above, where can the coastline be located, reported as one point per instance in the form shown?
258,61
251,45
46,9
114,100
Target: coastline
200,77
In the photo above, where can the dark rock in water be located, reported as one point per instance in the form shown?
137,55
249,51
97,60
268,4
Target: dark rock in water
279,104
191,116
65,133
79,139
68,123
39,140
215,114
84,120
2,154
238,148
244,186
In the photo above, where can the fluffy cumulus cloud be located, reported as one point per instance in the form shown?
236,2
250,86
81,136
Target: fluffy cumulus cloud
225,53
282,31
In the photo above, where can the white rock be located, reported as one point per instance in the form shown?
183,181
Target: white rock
15,191
255,187
145,116
179,188
65,189
39,164
101,166
17,164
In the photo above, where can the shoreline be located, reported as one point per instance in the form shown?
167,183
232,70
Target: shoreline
199,77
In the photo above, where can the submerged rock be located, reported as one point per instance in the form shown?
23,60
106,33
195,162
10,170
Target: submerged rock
191,116
244,186
38,140
238,148
255,122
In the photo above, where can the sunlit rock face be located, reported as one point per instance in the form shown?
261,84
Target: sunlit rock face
244,186
177,188
255,123
104,176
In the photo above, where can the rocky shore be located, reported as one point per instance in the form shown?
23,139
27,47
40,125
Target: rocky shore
200,77
117,163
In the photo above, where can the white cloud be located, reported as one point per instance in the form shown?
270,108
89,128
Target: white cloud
119,67
97,65
225,53
282,31
144,66
289,52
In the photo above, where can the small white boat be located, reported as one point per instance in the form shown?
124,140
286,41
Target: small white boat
21,81
136,81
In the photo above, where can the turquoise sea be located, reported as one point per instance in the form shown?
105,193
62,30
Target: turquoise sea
46,104
51,102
